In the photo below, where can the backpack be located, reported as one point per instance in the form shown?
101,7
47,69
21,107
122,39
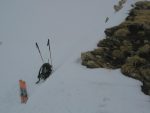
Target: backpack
44,72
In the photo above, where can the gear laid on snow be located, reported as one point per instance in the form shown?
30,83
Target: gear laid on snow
44,72
23,91
46,68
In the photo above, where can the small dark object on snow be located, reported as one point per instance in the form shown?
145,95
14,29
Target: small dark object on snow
44,72
47,68
106,20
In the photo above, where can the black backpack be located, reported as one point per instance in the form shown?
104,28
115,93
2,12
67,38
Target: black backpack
44,72
46,68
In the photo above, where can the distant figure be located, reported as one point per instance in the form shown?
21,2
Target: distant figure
106,20
44,72
0,43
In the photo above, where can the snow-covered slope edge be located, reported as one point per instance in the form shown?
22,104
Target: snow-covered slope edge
72,88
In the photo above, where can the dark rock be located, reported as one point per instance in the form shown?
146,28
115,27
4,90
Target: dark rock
142,5
146,87
110,31
123,32
92,64
135,27
87,56
126,46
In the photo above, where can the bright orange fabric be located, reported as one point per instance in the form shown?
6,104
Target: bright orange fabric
22,84
24,97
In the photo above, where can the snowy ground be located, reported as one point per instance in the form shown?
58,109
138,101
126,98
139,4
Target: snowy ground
74,26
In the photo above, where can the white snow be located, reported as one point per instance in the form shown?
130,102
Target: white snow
73,26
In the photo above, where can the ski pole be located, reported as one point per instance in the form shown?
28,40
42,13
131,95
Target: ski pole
48,44
39,52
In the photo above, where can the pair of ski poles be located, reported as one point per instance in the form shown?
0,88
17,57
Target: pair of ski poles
48,44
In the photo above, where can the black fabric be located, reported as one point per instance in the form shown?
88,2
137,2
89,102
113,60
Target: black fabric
45,71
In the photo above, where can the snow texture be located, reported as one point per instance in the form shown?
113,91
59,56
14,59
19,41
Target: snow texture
73,26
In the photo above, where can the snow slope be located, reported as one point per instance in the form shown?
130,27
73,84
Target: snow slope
74,26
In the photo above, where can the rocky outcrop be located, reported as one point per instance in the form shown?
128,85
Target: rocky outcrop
126,46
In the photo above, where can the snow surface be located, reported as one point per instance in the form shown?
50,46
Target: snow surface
73,26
